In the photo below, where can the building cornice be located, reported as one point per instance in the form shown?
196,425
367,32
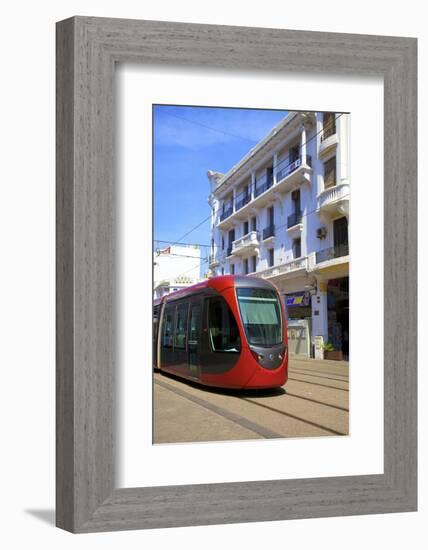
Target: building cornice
256,154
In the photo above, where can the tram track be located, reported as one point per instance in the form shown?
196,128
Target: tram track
250,424
318,375
317,401
233,417
318,384
295,417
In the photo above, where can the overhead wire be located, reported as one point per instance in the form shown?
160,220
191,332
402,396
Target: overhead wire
244,193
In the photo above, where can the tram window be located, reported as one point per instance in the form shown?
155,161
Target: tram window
194,324
168,328
261,316
180,327
222,327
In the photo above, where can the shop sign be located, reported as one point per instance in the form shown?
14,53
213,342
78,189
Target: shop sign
302,299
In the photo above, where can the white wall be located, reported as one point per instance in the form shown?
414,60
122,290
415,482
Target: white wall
27,298
179,262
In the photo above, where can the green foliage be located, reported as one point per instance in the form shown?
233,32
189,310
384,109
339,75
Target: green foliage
328,346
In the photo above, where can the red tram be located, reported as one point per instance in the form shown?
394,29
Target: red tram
228,331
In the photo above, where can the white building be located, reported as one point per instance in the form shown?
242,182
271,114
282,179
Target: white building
282,213
175,267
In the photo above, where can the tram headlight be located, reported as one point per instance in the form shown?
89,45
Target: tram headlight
257,356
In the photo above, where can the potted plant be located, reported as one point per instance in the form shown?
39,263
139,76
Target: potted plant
331,353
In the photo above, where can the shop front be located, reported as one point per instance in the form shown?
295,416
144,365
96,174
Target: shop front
338,315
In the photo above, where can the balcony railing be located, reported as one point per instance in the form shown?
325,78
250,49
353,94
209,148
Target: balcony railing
268,232
245,242
242,202
213,259
285,168
226,213
332,253
294,219
334,194
328,131
262,184
282,269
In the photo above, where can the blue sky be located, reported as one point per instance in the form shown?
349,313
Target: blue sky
189,141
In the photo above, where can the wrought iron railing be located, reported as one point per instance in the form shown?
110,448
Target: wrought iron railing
226,213
285,168
294,219
242,202
328,131
268,232
262,184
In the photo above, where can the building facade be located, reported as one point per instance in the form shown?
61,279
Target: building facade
174,268
282,213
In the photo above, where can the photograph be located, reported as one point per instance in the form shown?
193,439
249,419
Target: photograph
250,273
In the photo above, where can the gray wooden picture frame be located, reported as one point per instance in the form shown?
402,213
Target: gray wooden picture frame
87,50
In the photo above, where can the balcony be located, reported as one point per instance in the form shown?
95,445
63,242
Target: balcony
284,270
294,224
242,202
268,232
285,168
288,175
328,130
262,185
246,245
213,261
294,219
329,140
332,253
226,213
334,200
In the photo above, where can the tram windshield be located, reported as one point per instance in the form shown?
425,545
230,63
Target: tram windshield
261,316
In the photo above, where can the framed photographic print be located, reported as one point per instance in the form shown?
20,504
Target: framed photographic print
236,274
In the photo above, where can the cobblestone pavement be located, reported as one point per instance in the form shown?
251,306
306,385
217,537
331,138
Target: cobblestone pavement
313,402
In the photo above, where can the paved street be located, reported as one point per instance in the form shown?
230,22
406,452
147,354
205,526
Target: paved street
314,402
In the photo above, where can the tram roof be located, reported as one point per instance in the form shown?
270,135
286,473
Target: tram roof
219,283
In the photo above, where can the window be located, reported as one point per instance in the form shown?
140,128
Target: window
180,327
246,228
168,327
328,124
253,263
294,153
295,197
194,324
261,316
297,248
232,269
269,175
254,224
340,236
222,327
330,173
271,216
270,257
222,242
246,266
222,270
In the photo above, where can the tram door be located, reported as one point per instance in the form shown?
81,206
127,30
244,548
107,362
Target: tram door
194,339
